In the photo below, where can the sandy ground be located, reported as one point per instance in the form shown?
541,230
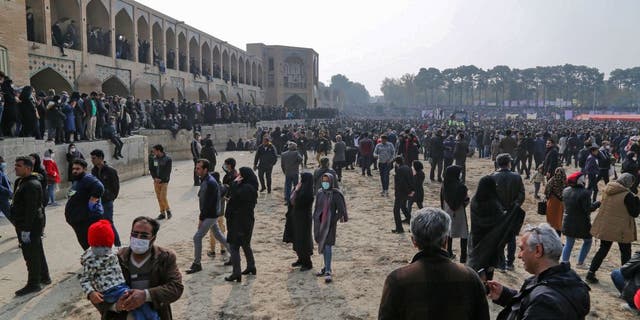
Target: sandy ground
365,253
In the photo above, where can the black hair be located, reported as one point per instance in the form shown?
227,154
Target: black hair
155,226
80,162
230,161
26,161
158,147
97,153
398,160
204,163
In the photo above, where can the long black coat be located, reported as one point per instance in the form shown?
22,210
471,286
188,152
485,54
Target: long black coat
240,213
576,221
418,183
298,225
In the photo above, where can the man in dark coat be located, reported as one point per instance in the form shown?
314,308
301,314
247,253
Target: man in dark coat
266,157
460,152
404,189
436,152
108,176
433,286
511,194
27,216
160,287
83,207
160,169
554,292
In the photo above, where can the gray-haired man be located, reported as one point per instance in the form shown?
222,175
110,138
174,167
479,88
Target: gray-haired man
433,286
554,292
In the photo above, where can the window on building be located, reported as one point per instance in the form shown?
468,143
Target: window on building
4,60
270,64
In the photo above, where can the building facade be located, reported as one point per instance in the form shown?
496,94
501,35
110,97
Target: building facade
290,75
122,47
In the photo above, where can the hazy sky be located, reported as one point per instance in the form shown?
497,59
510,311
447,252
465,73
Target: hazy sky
370,40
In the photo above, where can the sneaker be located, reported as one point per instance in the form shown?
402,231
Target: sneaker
327,277
321,273
169,215
30,288
195,267
211,253
162,216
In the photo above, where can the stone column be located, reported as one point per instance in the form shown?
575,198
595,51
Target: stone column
134,45
48,37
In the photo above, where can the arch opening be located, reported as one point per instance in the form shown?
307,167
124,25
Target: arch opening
216,71
226,75
295,102
114,86
158,45
171,49
35,21
48,78
66,14
194,59
98,29
182,52
144,45
124,36
206,61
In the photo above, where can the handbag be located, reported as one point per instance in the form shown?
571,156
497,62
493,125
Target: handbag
542,208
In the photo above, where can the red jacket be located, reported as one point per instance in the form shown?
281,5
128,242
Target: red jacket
53,175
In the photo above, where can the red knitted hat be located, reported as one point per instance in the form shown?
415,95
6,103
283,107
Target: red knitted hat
101,234
636,299
572,179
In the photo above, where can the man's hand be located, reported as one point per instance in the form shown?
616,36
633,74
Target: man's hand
133,299
25,237
96,297
495,290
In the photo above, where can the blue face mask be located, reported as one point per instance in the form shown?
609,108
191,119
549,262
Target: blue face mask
325,185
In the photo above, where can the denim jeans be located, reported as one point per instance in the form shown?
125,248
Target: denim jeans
618,281
385,168
107,206
289,183
328,254
142,313
205,226
568,246
51,189
511,252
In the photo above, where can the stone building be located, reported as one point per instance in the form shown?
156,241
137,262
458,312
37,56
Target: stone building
123,47
290,73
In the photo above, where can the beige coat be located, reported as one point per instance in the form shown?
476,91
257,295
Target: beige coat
613,222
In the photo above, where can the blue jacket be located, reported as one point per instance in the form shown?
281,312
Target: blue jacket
209,198
6,192
70,121
539,147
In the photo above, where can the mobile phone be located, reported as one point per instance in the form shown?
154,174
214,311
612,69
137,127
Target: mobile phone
482,273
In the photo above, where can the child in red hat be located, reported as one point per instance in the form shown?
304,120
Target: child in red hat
101,278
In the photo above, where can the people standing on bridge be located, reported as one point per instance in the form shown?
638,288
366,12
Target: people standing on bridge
160,170
196,149
264,160
83,207
210,208
108,176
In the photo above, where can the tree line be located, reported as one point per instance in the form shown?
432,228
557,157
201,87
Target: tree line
563,85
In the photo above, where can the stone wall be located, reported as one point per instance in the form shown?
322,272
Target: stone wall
135,150
133,165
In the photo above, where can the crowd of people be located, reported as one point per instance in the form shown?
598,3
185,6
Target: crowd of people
486,222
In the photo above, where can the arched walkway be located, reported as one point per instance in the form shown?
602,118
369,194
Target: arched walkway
241,71
124,35
260,75
202,96
48,78
247,72
254,74
158,43
68,14
144,46
206,60
113,86
172,54
99,26
295,102
216,63
194,56
182,52
35,21
234,68
225,66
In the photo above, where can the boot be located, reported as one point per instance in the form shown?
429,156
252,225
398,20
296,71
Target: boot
169,215
162,216
195,267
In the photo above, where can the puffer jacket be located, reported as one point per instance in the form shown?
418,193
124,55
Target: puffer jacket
576,221
556,293
615,220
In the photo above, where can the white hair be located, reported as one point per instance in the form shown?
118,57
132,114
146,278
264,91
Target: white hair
430,227
544,235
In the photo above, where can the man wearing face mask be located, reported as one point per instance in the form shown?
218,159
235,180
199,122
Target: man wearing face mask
83,207
151,272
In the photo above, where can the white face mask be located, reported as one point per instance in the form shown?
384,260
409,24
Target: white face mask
139,246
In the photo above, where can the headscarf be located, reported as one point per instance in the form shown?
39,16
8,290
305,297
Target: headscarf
306,192
626,180
487,189
453,191
557,183
248,176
